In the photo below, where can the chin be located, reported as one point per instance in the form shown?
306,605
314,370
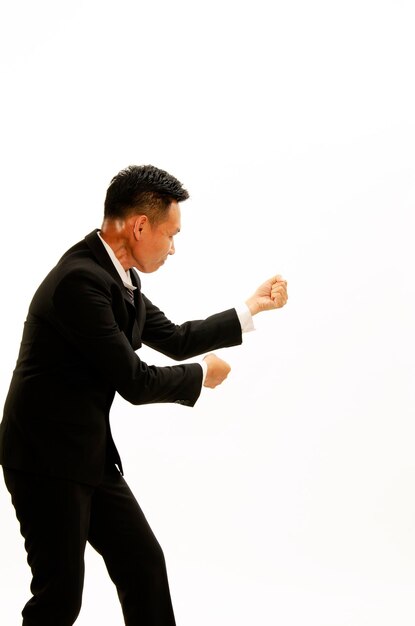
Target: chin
148,269
151,270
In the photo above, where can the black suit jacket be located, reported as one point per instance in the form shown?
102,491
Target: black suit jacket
78,350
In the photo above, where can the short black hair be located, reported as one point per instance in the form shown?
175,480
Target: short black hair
143,189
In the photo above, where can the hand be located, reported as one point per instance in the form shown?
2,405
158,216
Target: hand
270,295
217,371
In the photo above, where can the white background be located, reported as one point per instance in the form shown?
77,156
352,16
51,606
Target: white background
287,496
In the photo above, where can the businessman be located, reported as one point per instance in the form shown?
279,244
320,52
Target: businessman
84,325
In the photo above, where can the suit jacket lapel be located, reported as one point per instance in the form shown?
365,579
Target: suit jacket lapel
136,310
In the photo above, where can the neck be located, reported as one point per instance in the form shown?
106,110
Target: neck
114,234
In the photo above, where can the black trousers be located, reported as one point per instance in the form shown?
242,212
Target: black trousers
57,517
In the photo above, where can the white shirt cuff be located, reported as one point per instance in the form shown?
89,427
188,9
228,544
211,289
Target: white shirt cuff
245,318
204,367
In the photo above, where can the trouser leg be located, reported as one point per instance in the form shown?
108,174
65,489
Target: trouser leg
121,534
54,520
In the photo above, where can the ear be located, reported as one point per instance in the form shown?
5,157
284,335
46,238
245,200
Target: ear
139,224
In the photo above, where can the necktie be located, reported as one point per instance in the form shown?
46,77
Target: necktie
130,295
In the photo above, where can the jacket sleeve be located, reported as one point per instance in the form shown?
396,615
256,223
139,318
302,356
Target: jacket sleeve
187,340
82,312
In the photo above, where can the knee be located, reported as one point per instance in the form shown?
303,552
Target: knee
145,567
156,563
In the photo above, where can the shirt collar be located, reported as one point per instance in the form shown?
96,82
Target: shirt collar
124,275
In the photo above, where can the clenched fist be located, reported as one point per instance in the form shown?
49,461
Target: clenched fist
270,295
217,371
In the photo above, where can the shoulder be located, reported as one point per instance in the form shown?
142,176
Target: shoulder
87,259
79,268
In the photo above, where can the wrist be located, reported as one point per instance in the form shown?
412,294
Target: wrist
252,305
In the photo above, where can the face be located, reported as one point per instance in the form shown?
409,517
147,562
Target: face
153,244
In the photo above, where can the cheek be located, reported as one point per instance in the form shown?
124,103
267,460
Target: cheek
166,247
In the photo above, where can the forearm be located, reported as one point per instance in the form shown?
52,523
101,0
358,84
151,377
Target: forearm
193,338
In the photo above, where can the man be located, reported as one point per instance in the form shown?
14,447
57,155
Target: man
60,463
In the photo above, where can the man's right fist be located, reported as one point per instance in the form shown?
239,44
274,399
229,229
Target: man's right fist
217,371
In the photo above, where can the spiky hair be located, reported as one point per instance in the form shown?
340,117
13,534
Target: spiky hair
145,188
